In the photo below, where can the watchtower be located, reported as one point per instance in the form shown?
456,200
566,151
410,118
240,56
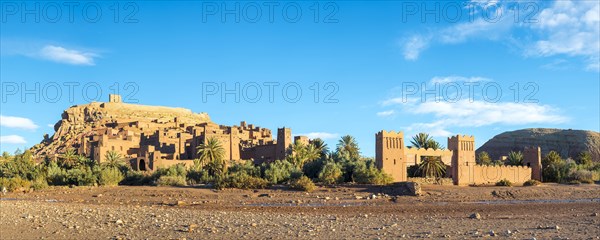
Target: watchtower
389,154
463,159
532,157
114,98
284,141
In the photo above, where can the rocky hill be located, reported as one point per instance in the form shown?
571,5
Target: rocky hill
568,143
81,120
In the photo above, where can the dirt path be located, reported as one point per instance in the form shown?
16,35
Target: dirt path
545,212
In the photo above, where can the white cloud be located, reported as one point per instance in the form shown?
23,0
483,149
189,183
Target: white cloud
17,122
321,135
50,125
468,112
413,46
386,113
68,56
454,78
12,139
561,28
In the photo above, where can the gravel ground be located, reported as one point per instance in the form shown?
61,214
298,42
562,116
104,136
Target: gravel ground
346,212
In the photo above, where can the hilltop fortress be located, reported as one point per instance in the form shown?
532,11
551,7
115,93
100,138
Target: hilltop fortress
149,137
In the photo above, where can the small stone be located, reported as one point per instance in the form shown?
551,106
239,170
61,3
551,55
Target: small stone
97,195
556,227
254,224
119,222
492,233
475,216
594,214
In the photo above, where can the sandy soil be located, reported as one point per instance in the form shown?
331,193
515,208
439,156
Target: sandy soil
345,212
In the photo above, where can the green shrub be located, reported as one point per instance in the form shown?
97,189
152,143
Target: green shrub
175,170
138,178
246,167
580,175
331,174
242,180
110,176
304,184
39,183
14,184
195,176
504,183
82,176
281,171
171,181
532,182
554,167
313,168
371,175
56,175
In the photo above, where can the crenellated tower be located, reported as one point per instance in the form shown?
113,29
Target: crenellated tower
389,154
463,159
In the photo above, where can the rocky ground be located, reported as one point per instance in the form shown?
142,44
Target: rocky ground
351,211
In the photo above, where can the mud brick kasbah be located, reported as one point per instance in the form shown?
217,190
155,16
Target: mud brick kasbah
150,137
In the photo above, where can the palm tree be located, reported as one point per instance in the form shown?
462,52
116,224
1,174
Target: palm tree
321,146
432,167
69,158
423,140
302,154
514,159
347,148
113,159
83,160
211,155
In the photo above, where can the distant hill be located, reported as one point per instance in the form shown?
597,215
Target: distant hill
568,142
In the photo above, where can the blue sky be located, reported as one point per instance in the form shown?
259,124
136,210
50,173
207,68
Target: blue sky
364,57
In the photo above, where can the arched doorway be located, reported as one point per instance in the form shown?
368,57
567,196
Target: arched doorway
142,165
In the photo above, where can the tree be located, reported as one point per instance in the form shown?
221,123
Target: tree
514,158
211,156
347,148
432,167
584,158
320,146
483,158
69,158
331,173
302,154
113,159
423,140
553,167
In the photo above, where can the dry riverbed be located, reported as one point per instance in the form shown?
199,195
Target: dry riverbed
351,211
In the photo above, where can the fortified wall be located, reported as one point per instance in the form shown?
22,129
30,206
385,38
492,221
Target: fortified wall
392,157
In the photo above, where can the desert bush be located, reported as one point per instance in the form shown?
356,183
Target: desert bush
580,175
584,158
532,182
110,176
281,171
56,175
504,183
138,178
331,173
14,184
242,180
39,183
172,171
246,167
369,174
167,180
82,176
195,176
303,184
313,168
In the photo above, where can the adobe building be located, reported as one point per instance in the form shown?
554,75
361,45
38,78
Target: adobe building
392,157
149,137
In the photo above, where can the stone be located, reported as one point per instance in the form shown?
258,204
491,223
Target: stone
475,216
414,189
